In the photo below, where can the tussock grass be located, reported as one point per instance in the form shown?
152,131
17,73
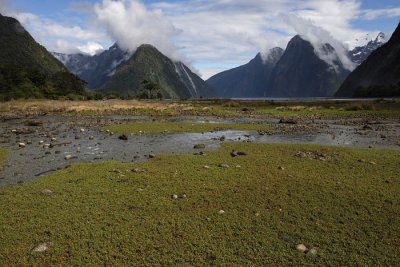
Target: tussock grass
171,127
104,214
223,108
57,106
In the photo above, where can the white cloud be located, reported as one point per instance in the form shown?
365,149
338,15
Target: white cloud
319,37
371,14
131,24
91,48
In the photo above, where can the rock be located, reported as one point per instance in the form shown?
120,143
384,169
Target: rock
77,137
222,138
42,247
312,252
69,157
302,248
47,191
82,130
91,138
281,168
137,170
41,142
200,146
53,139
206,167
287,121
34,123
123,137
46,146
221,212
174,196
235,153
361,160
22,145
152,156
301,154
223,165
372,162
367,127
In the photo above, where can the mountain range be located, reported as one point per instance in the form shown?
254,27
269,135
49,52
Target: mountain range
28,70
295,72
362,51
117,70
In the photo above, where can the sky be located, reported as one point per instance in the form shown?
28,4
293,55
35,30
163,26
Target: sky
208,35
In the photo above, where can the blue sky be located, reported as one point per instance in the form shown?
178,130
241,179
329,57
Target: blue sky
209,35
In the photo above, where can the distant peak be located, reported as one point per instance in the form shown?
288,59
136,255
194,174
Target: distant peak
380,38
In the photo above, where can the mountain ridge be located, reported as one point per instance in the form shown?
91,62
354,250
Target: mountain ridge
379,75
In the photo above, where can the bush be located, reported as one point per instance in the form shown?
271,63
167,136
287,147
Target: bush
360,106
231,104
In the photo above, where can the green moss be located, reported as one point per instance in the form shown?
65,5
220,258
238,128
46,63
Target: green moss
157,127
3,157
104,214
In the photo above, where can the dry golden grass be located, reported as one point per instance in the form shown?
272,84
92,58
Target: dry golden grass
55,106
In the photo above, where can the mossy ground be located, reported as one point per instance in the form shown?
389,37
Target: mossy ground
105,214
3,157
171,127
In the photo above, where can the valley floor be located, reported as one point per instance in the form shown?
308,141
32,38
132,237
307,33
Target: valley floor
195,183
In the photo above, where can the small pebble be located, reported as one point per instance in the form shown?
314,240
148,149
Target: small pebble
312,252
42,247
47,191
221,212
68,157
301,248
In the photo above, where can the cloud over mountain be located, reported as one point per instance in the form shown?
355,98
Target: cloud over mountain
131,24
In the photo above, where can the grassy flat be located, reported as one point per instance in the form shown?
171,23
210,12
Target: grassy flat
168,127
346,206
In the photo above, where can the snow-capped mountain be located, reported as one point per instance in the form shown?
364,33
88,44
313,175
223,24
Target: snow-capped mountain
363,47
378,75
95,70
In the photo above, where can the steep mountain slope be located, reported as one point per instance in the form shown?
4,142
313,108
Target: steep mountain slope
18,47
379,75
97,69
27,69
174,78
249,80
301,73
360,53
